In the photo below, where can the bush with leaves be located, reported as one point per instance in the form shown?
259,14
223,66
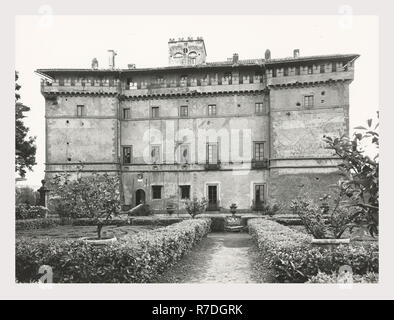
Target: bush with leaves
292,258
138,258
24,211
195,207
360,170
25,195
97,195
330,219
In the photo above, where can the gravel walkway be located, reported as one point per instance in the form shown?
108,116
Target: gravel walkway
220,258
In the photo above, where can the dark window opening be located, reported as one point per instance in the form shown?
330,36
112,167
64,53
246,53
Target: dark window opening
258,151
212,153
212,110
259,108
80,111
308,101
286,72
185,192
127,155
297,71
334,67
322,68
259,194
184,111
155,112
156,192
126,113
273,73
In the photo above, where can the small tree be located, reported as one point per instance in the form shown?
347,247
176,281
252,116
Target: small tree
360,171
25,148
195,206
329,219
96,195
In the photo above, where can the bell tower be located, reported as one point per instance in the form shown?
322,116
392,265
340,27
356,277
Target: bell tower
186,52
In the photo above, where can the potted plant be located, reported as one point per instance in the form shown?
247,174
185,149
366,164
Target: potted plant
97,196
170,206
328,221
233,208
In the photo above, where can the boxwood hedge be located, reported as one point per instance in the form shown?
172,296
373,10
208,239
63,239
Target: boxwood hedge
134,259
293,259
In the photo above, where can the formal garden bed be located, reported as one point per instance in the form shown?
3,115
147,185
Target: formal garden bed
136,258
292,257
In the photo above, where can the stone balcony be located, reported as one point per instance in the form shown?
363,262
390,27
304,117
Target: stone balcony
78,87
310,78
194,89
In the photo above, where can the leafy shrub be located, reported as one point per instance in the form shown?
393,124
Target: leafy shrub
25,195
330,219
97,195
321,277
154,222
195,206
25,211
294,259
361,170
30,224
135,258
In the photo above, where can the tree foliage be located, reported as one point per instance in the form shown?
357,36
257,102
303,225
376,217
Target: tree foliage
196,206
25,148
360,170
96,195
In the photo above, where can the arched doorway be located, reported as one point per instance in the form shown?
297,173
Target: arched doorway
139,197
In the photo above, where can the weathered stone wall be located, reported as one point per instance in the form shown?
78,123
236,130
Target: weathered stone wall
90,139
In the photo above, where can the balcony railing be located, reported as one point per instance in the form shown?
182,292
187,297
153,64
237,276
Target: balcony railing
260,164
212,166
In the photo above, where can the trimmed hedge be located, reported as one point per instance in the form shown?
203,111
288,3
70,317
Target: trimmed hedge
25,211
369,277
30,224
138,258
294,259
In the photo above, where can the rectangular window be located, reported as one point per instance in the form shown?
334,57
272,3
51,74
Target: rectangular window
258,151
126,113
155,154
212,153
155,112
259,194
212,109
297,71
273,73
156,192
126,155
185,192
322,68
184,156
286,72
308,101
310,69
184,111
334,67
80,111
259,108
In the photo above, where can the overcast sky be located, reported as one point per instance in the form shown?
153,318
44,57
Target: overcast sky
72,41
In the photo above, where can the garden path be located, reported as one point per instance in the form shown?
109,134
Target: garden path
220,258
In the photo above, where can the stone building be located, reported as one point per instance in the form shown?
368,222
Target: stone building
236,131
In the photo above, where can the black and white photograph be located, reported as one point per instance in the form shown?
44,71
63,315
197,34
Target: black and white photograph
237,149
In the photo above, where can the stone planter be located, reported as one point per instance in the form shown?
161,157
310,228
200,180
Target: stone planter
99,242
330,243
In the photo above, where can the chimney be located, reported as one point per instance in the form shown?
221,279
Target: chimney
235,58
131,66
94,64
111,57
267,54
296,53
